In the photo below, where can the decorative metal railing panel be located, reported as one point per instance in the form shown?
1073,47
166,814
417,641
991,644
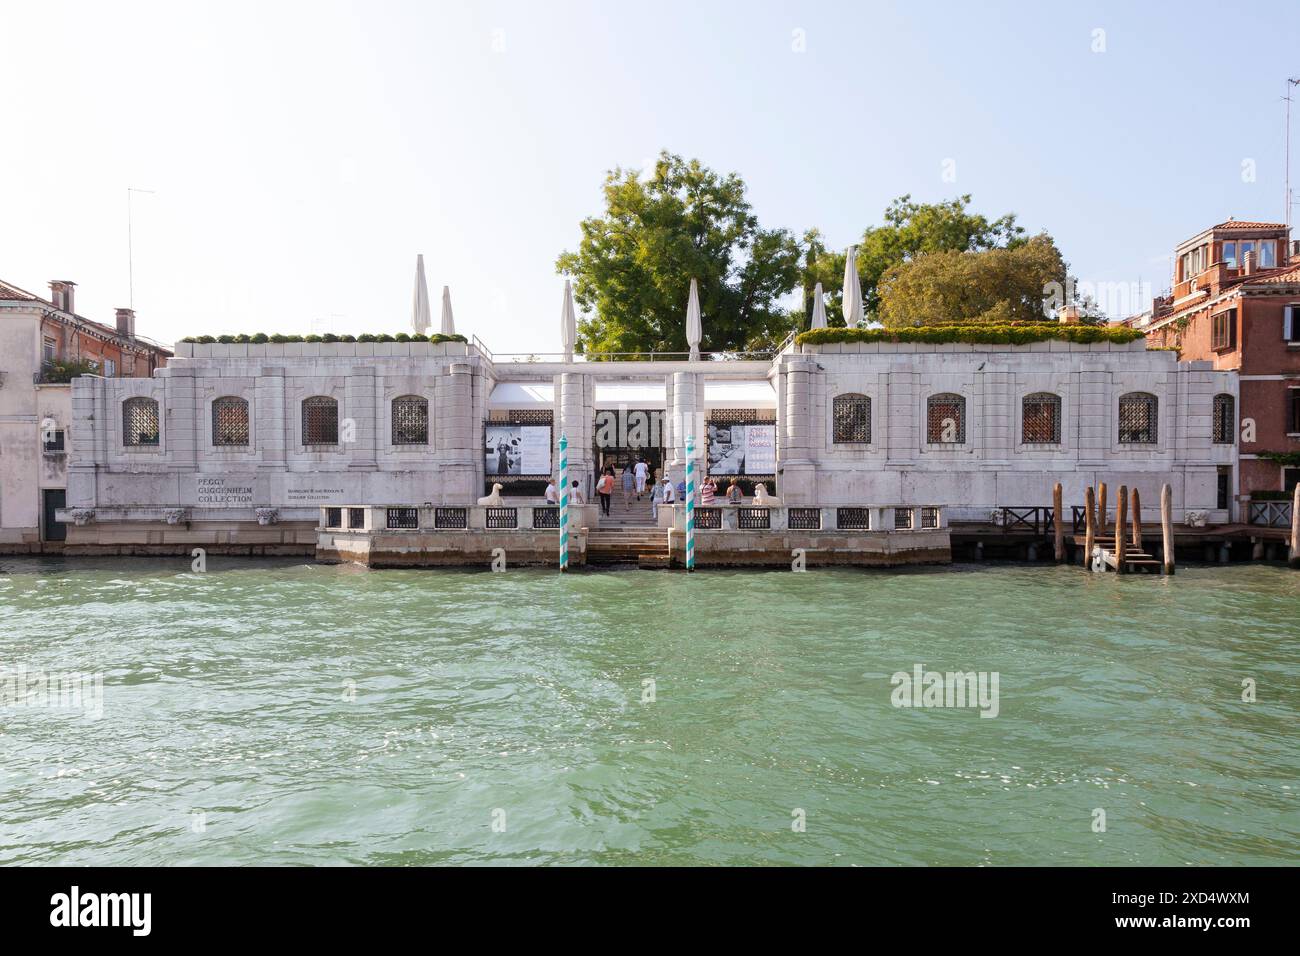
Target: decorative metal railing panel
546,519
708,519
498,519
753,519
804,519
403,519
853,519
450,519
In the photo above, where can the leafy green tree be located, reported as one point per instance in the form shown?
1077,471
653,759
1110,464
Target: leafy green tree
911,229
633,266
994,285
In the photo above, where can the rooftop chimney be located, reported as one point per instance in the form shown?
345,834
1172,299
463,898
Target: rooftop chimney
62,294
126,322
1248,264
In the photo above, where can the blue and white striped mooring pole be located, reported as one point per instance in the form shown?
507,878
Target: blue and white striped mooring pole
690,503
564,502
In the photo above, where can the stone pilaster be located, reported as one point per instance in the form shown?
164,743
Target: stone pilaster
797,480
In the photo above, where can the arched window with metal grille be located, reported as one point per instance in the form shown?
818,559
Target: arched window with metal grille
140,422
320,420
851,419
410,420
230,422
1040,419
1224,420
1137,418
946,419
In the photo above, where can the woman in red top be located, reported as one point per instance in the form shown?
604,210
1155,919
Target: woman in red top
605,488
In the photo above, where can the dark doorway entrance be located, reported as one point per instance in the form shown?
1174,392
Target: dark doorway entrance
53,530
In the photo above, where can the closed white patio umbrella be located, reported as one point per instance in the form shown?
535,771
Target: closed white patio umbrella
421,317
693,329
448,323
568,322
818,320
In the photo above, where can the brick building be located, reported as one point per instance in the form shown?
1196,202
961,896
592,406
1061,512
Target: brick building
1235,302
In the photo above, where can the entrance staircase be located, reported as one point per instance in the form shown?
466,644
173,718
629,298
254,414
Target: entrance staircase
628,535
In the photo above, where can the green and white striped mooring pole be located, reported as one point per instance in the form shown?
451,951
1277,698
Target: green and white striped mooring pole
564,502
690,503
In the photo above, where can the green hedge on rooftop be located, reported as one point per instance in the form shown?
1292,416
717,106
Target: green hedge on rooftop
975,334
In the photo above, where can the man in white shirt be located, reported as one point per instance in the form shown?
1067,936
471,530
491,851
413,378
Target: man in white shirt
641,471
552,495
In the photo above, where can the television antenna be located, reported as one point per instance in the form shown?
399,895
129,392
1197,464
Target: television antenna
130,251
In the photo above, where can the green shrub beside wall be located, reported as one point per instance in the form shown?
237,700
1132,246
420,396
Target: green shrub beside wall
279,339
975,334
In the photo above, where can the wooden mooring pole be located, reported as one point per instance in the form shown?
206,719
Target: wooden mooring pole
1090,528
1121,505
1101,508
1058,529
1167,529
1294,559
1137,522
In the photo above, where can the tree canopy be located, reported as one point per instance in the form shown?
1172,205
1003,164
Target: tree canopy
633,266
994,285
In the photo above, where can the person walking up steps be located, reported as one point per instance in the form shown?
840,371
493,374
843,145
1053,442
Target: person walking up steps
605,488
629,483
642,472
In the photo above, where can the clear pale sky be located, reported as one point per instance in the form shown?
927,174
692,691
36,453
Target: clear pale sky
301,154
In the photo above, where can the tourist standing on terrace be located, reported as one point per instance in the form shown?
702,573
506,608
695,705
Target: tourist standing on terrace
642,472
575,494
708,491
734,495
552,495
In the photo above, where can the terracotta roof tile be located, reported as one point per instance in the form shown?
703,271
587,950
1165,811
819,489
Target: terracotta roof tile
1240,224
8,291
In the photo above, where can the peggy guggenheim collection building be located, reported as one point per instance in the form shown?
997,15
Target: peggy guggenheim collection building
310,447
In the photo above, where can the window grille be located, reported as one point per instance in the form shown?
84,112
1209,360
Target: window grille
356,518
1041,419
333,517
929,517
320,421
140,421
410,420
851,420
1137,418
1224,423
903,518
946,423
230,421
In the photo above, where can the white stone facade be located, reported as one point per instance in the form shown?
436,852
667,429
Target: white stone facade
990,466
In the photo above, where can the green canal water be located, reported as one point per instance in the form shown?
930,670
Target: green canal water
289,713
